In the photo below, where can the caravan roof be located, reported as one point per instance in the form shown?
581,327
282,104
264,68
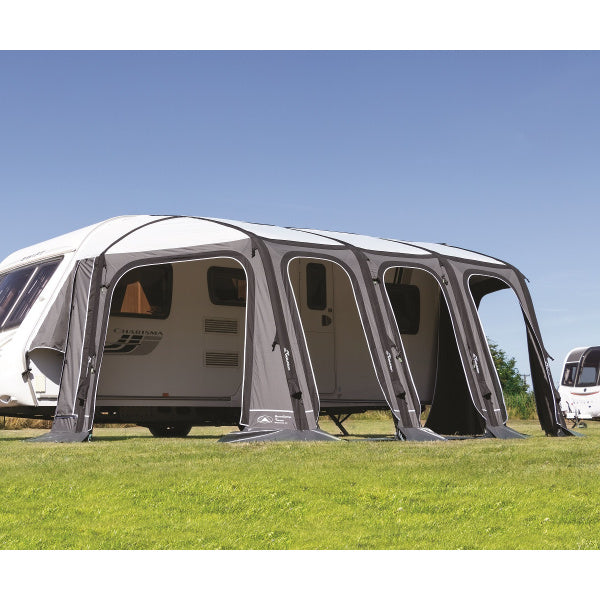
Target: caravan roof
184,231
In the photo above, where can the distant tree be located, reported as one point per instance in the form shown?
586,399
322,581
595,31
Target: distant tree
511,380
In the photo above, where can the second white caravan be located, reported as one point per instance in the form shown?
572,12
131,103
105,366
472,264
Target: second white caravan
579,387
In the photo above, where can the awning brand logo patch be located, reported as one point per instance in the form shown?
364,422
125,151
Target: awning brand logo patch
282,419
286,353
134,341
389,360
264,419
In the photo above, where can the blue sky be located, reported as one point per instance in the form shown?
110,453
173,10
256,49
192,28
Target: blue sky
497,152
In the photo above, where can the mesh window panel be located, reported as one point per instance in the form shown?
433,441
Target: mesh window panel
406,304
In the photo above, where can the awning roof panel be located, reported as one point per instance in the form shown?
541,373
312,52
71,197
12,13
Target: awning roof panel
273,232
371,243
457,252
180,232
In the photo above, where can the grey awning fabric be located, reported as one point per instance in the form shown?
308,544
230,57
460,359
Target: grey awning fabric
546,395
70,409
52,333
269,394
279,391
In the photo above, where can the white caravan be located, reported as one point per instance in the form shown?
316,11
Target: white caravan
579,387
174,321
163,318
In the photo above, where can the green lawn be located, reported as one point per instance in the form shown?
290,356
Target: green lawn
127,490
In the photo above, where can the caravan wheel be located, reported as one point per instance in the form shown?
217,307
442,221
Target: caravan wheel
175,430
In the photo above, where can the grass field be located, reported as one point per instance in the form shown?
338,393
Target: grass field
127,490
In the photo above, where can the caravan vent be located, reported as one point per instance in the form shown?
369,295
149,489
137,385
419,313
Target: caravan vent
221,359
220,326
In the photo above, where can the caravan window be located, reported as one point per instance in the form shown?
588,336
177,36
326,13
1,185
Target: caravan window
144,292
406,304
20,289
227,286
588,375
569,374
316,286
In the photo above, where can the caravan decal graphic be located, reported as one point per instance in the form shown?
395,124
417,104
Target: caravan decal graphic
134,341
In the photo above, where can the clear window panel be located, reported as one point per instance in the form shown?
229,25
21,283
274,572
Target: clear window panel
30,295
11,286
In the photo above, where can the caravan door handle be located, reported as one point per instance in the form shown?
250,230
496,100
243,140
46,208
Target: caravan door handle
325,320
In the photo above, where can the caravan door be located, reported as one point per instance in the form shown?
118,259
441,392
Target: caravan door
316,309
